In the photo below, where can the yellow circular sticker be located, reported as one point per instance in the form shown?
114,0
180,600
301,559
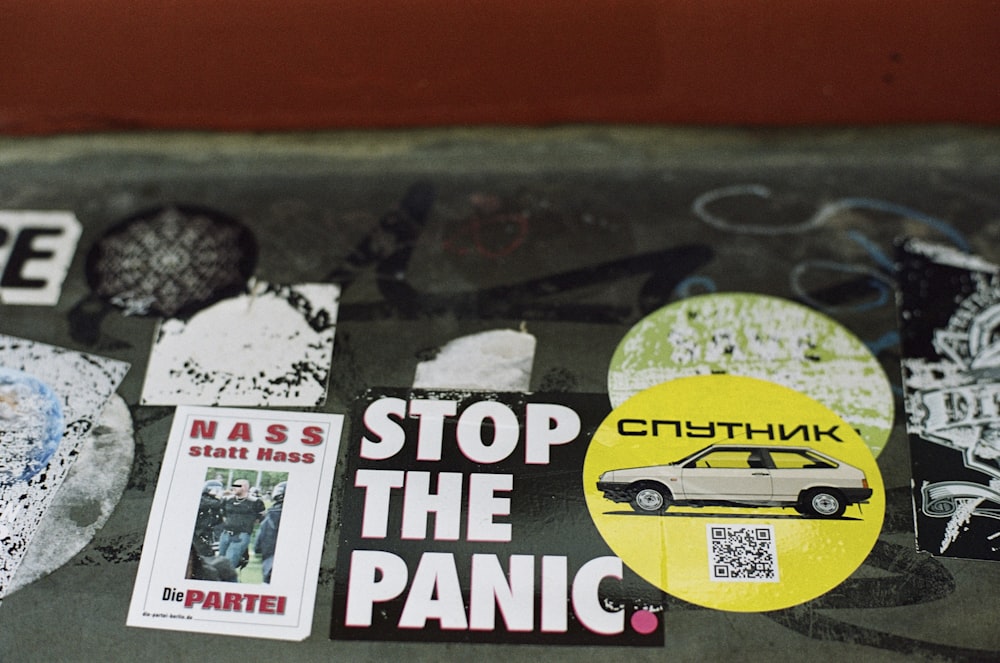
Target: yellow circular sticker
734,493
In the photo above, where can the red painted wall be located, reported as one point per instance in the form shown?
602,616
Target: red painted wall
307,64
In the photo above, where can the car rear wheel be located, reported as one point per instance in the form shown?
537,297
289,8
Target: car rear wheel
650,499
824,503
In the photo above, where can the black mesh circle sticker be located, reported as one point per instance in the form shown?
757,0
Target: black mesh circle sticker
171,261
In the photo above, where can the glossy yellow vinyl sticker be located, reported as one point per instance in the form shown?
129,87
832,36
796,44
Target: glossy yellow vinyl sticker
734,493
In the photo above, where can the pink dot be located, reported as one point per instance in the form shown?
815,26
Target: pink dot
644,622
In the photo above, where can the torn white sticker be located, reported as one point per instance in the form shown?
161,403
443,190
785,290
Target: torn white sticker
495,360
949,255
271,347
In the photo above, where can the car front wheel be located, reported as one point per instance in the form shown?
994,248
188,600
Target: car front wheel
824,503
650,499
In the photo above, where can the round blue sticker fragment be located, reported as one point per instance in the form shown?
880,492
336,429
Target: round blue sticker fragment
31,425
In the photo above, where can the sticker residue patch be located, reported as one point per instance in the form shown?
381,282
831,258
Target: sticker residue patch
271,347
496,360
86,498
763,337
83,383
733,493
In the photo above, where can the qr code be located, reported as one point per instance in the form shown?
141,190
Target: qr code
742,553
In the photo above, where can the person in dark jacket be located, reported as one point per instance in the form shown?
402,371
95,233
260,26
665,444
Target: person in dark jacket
214,568
241,512
209,518
267,535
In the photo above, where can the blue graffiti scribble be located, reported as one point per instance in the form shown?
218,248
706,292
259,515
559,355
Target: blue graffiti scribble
879,278
822,215
880,283
695,285
883,342
873,249
875,205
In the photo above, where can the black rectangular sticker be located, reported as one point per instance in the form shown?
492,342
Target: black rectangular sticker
464,520
950,319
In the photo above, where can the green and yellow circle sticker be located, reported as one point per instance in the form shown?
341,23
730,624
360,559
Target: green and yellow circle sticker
734,493
762,337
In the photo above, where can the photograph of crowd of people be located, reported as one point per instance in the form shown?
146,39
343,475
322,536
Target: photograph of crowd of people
236,530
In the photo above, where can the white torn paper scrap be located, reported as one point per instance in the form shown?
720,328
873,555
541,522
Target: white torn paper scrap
495,360
84,383
270,347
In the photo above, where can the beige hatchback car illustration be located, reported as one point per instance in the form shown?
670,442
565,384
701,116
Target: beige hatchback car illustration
811,482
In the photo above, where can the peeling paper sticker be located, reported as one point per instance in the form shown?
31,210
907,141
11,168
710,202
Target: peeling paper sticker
495,360
36,249
86,498
949,256
734,493
762,337
83,383
270,347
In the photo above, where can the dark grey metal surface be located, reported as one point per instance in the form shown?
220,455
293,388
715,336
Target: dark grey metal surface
575,234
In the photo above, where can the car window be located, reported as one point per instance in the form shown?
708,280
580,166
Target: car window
726,459
796,460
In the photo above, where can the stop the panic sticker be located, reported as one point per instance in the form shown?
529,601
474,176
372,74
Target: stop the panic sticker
734,493
763,337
